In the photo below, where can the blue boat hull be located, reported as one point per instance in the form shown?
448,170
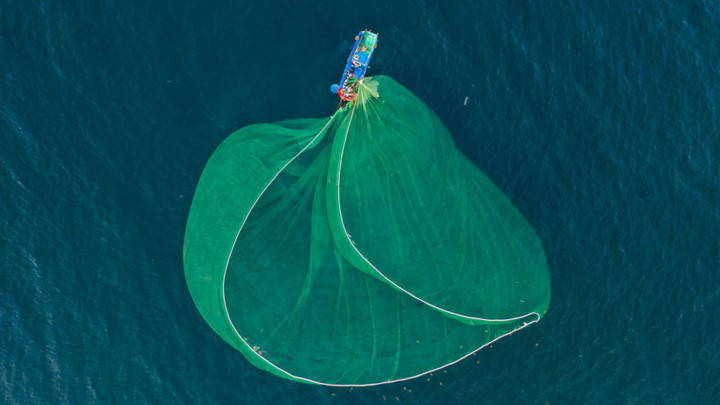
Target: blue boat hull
356,65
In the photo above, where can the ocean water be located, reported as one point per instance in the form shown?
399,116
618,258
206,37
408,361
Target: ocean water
598,119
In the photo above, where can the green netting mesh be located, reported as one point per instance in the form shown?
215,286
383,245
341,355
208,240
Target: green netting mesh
368,41
358,249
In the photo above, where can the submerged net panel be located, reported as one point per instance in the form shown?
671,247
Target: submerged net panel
427,219
233,179
358,249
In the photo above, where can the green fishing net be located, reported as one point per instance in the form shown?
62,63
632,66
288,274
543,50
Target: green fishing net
358,249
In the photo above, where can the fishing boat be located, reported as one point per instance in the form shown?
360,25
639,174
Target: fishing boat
356,66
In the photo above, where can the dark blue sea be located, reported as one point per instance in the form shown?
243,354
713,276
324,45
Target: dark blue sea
599,119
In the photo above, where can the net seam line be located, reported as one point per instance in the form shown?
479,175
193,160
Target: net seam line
347,236
227,263
525,324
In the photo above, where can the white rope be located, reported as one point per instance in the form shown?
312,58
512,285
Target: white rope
261,357
347,236
242,225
